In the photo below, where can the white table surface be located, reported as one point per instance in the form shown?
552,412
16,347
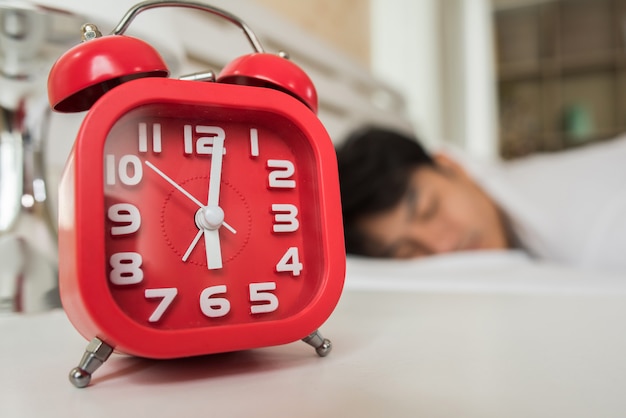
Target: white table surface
396,354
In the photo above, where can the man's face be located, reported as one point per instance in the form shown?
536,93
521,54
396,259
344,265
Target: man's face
443,210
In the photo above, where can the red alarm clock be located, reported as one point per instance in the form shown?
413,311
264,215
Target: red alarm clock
195,217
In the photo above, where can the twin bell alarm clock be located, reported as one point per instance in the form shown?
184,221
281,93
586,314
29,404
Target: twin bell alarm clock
197,215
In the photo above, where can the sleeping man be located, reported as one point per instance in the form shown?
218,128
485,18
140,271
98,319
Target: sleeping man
399,201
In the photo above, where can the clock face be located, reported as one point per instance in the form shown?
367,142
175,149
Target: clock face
191,226
210,220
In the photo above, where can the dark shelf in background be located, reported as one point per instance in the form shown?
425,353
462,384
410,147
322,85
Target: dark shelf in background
561,74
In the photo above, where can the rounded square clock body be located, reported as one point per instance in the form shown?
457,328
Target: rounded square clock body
199,217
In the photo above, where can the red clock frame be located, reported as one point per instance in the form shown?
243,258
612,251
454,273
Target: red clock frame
85,290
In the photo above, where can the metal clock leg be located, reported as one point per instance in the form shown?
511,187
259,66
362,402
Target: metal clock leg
96,353
322,345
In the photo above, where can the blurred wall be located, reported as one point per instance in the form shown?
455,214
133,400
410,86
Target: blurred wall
405,37
438,53
345,24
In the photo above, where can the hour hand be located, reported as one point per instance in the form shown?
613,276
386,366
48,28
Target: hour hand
208,220
213,250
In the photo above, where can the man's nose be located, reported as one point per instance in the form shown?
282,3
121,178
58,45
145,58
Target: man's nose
437,236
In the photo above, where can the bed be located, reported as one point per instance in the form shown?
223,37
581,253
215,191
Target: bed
475,335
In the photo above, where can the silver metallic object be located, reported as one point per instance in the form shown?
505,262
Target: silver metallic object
322,345
31,38
96,353
140,7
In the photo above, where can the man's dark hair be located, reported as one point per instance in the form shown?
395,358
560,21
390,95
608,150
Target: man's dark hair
374,168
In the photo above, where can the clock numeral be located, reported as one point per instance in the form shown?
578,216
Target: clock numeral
203,144
214,307
127,215
128,170
290,262
126,268
259,293
261,298
254,142
167,295
285,217
280,176
143,137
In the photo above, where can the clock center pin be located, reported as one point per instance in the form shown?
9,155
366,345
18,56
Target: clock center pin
209,217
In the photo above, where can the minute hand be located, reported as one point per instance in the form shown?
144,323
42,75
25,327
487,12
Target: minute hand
216,172
211,236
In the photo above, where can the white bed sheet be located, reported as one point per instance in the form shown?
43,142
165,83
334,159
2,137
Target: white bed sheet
509,271
475,335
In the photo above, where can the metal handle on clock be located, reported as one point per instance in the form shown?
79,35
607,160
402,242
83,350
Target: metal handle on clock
140,7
